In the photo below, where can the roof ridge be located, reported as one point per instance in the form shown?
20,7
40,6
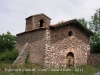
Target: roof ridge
62,22
37,15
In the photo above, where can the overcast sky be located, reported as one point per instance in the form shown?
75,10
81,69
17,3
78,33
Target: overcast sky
14,12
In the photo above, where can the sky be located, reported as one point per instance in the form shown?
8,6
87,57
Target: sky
14,12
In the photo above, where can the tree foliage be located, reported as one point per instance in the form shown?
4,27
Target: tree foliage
83,22
95,44
95,22
95,27
8,56
7,42
8,53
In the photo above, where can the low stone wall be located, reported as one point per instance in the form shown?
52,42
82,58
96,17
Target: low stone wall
94,59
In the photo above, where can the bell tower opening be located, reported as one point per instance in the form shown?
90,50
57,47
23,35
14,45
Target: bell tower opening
41,22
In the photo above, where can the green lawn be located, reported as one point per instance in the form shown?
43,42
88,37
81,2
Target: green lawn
35,69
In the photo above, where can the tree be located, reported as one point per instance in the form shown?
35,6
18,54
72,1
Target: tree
7,42
95,22
95,44
8,53
83,21
95,27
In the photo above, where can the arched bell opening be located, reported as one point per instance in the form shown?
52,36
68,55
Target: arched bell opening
41,22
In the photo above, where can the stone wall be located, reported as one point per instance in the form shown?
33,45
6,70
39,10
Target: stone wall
37,38
94,59
36,42
22,55
50,46
62,44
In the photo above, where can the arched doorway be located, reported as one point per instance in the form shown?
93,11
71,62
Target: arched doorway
70,59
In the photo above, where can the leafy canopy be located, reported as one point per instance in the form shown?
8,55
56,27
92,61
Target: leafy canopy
95,22
7,42
95,27
83,21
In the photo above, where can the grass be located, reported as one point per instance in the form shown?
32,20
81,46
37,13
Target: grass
35,69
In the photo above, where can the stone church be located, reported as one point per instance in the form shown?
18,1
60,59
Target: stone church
62,44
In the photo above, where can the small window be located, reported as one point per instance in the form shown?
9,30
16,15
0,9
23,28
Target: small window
41,23
70,33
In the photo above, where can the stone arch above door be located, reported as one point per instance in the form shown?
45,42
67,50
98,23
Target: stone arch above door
74,51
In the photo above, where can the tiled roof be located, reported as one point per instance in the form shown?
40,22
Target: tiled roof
31,31
62,23
74,22
39,14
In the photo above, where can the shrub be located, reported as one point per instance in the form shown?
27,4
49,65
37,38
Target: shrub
8,56
7,41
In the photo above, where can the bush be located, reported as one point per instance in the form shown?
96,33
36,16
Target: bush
8,56
7,41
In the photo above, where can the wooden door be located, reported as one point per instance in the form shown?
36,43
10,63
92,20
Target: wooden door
70,59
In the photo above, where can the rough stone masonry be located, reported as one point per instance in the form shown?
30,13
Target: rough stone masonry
62,44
